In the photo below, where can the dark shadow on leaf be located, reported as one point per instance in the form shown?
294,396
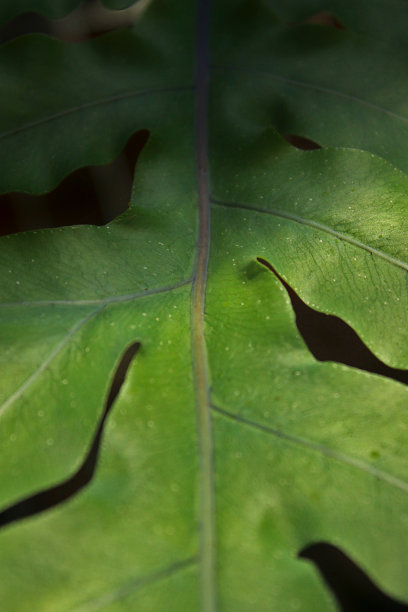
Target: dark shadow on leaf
25,23
48,498
300,142
89,20
324,18
353,589
92,19
91,195
329,338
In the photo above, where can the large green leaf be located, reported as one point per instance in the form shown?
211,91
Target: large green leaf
230,448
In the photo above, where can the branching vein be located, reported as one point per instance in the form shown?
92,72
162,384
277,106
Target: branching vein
102,301
31,379
318,88
319,226
109,598
101,304
315,446
93,104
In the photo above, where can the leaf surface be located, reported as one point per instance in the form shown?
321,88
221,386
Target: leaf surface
54,9
230,448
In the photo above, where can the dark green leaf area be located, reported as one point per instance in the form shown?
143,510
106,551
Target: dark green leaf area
53,9
322,83
381,20
94,194
137,252
99,90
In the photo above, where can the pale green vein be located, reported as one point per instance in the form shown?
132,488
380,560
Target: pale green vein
31,379
93,104
126,590
198,343
318,226
315,446
319,88
101,301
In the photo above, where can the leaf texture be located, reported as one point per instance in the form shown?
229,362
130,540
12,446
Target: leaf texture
54,9
230,447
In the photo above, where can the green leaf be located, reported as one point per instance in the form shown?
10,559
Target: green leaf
230,447
54,9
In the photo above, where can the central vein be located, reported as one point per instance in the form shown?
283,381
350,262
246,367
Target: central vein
199,353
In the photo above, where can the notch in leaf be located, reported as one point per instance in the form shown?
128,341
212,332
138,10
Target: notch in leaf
48,498
301,142
352,587
329,338
91,195
88,20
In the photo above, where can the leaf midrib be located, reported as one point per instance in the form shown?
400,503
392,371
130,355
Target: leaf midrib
198,344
